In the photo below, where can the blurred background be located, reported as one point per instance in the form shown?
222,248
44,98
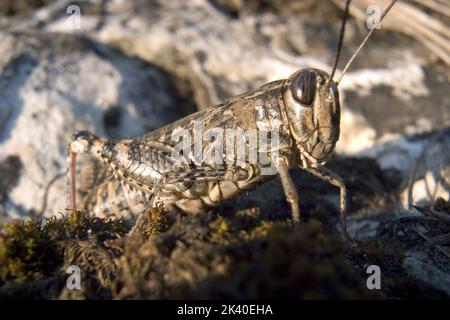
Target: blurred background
123,68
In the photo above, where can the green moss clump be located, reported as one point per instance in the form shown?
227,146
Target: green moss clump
158,221
32,251
26,252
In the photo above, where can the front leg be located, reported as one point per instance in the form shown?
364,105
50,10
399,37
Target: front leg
334,179
289,188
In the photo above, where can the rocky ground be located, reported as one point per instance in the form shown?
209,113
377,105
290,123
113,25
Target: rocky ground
134,66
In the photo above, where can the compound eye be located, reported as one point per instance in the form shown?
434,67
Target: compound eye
82,135
304,87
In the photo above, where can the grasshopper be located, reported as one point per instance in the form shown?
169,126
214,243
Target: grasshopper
303,111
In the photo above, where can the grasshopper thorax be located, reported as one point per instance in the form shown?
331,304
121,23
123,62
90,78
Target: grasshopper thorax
312,107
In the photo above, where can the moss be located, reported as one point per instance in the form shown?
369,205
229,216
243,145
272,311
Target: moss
26,252
220,226
209,257
288,261
226,253
158,221
33,252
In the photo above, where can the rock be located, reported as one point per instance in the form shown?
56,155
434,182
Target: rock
418,265
54,84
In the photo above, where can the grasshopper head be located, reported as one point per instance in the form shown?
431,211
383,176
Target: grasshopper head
313,110
82,142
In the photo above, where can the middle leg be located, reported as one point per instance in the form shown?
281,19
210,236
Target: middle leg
289,188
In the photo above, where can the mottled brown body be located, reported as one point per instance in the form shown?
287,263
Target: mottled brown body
302,113
257,110
142,166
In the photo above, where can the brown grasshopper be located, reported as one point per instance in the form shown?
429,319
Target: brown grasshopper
301,114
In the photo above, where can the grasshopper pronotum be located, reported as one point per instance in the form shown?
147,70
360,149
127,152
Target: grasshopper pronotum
301,112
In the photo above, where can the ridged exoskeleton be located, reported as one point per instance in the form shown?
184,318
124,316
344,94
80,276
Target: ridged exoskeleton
213,155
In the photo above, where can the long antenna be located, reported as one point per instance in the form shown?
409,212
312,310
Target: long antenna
341,39
364,42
